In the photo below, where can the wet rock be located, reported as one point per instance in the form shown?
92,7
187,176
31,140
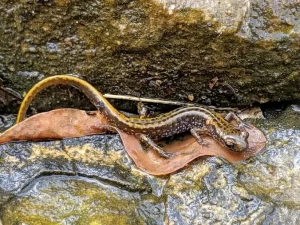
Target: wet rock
6,121
21,163
210,193
159,48
92,179
77,200
274,175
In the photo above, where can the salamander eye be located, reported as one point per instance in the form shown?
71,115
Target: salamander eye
229,144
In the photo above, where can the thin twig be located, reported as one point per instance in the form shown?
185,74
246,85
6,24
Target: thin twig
167,102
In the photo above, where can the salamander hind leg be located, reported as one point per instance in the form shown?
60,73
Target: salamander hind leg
148,141
196,132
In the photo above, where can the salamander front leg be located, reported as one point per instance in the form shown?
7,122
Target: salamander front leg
147,140
241,123
196,132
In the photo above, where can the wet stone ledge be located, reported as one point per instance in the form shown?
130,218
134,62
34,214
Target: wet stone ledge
92,180
95,156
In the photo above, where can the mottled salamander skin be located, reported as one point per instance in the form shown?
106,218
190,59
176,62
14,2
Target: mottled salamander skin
201,119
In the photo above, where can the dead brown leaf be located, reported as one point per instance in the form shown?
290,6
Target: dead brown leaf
56,124
188,149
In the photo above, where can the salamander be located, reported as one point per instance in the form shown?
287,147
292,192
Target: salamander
198,120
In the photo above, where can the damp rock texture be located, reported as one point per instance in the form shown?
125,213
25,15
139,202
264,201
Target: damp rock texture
92,180
227,52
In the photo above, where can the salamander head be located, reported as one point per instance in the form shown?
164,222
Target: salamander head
236,141
231,137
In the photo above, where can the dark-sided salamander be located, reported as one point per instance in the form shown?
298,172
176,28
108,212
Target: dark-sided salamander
197,120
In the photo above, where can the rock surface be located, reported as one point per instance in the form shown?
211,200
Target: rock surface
92,180
158,48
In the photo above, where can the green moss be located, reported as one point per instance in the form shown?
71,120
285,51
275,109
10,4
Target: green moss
77,201
108,219
294,76
2,160
21,216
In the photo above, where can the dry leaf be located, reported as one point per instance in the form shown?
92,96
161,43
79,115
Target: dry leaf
56,124
189,149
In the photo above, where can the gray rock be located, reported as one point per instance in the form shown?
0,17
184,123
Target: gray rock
163,48
77,200
93,180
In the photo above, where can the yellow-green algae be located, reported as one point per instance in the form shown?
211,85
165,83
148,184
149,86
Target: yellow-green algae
87,202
